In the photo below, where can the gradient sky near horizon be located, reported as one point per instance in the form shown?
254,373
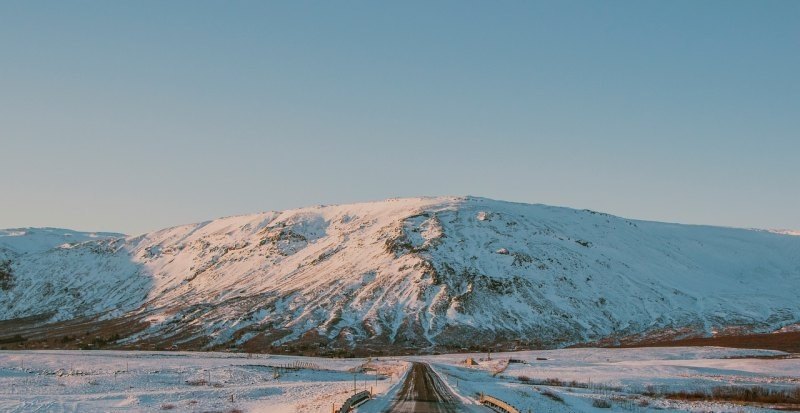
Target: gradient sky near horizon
133,116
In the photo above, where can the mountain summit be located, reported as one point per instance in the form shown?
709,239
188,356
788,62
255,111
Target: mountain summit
416,273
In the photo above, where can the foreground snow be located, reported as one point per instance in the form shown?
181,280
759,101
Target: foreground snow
147,381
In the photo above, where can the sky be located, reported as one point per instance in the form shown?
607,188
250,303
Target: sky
134,116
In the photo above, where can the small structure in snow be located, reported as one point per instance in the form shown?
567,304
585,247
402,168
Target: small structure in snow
483,216
502,251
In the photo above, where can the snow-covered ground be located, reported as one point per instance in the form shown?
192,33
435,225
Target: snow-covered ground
86,381
619,376
180,381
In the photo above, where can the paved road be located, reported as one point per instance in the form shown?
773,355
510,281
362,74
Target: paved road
424,392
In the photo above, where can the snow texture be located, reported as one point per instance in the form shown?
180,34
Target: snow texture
631,380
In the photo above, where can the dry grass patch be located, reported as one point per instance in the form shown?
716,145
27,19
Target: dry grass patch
755,394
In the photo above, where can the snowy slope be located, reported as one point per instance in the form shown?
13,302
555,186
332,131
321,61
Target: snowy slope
787,232
450,271
33,240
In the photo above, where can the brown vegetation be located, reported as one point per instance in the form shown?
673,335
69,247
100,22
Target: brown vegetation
789,342
755,394
84,333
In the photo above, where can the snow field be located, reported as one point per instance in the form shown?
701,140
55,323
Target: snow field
175,381
619,376
89,381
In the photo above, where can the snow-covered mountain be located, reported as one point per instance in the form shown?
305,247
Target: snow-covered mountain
447,271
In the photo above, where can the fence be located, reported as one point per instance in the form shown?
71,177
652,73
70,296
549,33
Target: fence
497,404
298,365
354,401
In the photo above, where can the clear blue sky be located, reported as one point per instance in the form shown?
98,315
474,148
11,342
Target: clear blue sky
132,116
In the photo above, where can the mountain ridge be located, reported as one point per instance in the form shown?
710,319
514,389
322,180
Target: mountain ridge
423,273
